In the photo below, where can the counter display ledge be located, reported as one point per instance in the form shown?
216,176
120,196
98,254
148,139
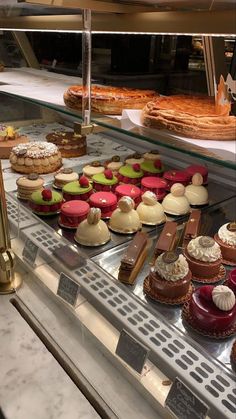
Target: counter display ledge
112,306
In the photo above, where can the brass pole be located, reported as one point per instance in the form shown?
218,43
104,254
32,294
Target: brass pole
8,280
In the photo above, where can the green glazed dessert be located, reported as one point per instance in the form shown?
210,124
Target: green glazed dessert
80,189
130,174
46,202
152,168
105,181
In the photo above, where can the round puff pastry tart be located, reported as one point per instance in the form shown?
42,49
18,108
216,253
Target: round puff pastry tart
109,100
190,116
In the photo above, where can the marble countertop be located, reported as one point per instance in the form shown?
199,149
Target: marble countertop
32,383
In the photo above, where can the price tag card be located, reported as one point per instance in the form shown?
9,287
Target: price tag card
68,289
30,252
132,351
69,257
183,403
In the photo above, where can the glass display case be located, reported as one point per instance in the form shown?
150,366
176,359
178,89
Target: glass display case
98,312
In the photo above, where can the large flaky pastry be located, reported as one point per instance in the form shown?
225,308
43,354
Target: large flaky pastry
223,297
190,116
109,100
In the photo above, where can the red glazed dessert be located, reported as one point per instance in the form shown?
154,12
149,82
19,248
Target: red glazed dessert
170,278
213,309
176,176
233,356
79,190
231,282
204,258
154,184
72,213
106,201
197,168
226,238
130,174
45,202
105,181
132,191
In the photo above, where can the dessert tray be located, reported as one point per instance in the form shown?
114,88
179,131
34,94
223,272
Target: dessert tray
219,211
212,219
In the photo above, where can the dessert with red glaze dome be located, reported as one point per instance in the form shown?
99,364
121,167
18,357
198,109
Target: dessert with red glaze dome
132,191
226,238
176,176
231,281
169,280
106,201
45,202
154,184
212,310
73,213
105,181
233,356
204,258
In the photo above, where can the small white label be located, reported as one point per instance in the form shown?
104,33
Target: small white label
68,289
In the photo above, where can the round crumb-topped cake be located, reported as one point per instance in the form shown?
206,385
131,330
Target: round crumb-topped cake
226,238
170,277
204,257
213,309
37,157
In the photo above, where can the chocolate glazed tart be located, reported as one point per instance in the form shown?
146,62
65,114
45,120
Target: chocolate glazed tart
228,252
201,269
169,289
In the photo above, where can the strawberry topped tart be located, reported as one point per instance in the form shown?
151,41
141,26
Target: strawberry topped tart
105,181
46,202
80,189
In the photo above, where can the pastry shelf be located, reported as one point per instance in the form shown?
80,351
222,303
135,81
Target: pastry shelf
125,127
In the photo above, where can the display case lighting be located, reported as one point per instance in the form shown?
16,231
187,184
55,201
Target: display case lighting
231,36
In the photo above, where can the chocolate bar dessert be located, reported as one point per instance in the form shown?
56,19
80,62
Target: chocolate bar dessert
192,228
166,239
133,259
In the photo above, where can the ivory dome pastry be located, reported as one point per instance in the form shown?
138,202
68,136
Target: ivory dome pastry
125,219
149,210
196,194
176,203
92,231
